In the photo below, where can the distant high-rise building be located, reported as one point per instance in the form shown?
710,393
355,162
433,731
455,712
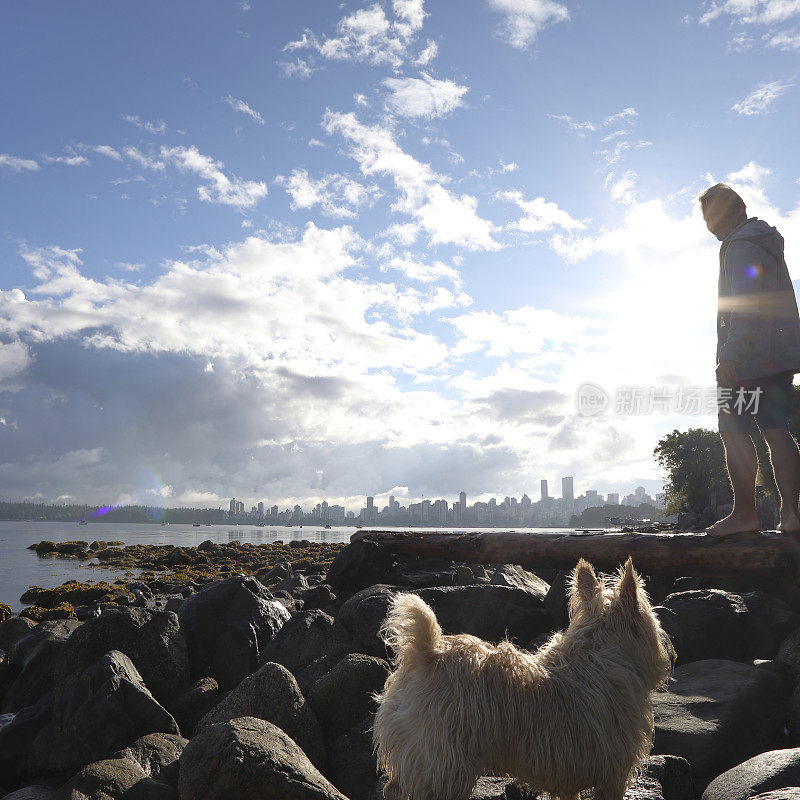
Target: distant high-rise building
544,490
640,492
462,499
261,511
239,508
232,511
612,499
567,490
371,509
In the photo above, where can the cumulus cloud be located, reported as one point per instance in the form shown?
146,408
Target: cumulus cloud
70,161
16,164
761,98
749,12
423,97
240,105
367,35
445,217
523,20
540,214
337,195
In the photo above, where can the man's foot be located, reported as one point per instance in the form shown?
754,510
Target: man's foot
733,525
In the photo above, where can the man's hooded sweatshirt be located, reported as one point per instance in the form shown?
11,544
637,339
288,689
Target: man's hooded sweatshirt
758,327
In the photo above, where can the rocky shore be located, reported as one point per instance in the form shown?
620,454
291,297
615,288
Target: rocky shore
248,671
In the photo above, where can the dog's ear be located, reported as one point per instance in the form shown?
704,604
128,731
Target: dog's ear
629,583
584,584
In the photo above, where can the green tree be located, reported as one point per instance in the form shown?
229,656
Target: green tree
694,461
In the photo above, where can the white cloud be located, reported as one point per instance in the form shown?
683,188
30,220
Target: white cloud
423,97
447,218
622,188
428,53
18,164
761,98
368,35
784,40
150,127
244,108
525,19
581,128
70,161
626,115
218,187
540,215
748,12
299,68
336,194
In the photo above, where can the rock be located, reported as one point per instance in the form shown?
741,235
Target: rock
37,791
357,566
487,788
272,694
556,600
17,737
321,597
718,713
787,793
109,779
32,660
249,759
789,653
343,696
309,675
195,703
711,623
151,639
306,637
354,769
5,612
515,576
98,544
12,629
489,612
673,775
762,773
157,754
227,625
103,709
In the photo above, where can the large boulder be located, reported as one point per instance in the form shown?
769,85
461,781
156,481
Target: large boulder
17,737
152,640
249,759
718,713
12,629
36,791
32,660
103,709
307,636
762,773
194,704
272,694
353,766
489,612
362,564
227,625
145,770
711,623
344,695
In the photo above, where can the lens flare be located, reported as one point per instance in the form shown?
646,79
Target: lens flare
753,271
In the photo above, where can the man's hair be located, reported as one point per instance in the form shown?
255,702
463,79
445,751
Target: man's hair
729,200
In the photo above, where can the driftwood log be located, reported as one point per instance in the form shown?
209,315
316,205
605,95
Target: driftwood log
769,556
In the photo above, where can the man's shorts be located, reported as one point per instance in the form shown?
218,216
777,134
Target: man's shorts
765,400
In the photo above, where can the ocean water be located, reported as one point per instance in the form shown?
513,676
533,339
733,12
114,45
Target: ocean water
21,568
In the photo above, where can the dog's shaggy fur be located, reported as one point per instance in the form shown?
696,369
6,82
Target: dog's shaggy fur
574,715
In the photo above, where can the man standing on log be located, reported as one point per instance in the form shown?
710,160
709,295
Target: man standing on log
758,353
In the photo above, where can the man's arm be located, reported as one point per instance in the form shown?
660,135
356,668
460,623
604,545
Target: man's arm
744,264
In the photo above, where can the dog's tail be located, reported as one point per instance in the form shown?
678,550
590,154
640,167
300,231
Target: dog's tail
410,626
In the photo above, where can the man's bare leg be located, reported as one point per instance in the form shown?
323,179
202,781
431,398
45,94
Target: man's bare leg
785,458
742,461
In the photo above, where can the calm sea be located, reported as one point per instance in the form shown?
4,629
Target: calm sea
21,568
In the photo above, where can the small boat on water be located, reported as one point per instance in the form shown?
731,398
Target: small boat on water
327,527
83,522
195,524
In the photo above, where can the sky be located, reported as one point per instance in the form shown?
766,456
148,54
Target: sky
313,250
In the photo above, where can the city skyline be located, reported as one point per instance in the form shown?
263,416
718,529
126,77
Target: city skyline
547,510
